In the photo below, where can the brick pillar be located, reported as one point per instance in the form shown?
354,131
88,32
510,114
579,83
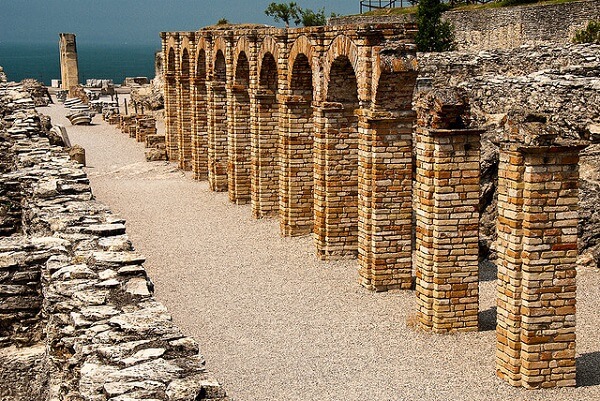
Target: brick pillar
296,173
171,118
336,181
265,160
544,246
447,243
217,136
385,200
184,126
238,149
200,131
509,249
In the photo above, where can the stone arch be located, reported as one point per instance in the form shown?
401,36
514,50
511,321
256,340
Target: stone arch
242,70
297,142
265,137
336,155
220,67
301,45
200,116
171,103
171,60
217,120
342,46
238,143
394,77
268,46
185,62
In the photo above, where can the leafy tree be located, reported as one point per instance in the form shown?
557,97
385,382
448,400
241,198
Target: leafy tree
434,35
285,12
310,18
591,34
223,21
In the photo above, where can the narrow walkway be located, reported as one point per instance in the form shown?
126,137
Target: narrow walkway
275,323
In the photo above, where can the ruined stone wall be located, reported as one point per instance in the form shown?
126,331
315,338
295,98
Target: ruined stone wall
506,27
510,27
77,315
561,83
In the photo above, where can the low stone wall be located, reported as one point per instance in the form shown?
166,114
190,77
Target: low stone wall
506,27
75,299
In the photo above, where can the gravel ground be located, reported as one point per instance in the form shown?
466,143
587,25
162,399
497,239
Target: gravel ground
275,323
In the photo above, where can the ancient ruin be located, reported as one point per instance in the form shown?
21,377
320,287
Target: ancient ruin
315,126
69,69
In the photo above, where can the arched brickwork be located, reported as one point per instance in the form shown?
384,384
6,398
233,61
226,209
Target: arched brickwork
185,112
200,132
171,101
265,136
238,166
343,46
217,122
336,162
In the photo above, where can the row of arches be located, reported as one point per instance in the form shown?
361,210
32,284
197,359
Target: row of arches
303,124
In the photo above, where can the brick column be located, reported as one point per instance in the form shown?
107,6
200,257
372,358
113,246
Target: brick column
385,200
336,181
296,172
265,160
509,248
200,131
217,136
238,148
447,242
171,118
547,238
184,126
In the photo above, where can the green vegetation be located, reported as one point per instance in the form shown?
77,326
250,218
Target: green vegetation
223,21
291,12
434,35
591,34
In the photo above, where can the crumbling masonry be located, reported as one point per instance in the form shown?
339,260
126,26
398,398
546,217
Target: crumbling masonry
315,126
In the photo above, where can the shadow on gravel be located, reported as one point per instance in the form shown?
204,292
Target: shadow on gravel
487,319
588,372
487,271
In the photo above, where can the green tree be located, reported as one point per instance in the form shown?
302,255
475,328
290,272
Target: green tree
285,12
223,21
434,35
310,18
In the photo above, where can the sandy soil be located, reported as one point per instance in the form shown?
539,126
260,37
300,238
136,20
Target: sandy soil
275,323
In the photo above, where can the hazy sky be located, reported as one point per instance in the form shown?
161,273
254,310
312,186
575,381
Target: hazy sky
129,21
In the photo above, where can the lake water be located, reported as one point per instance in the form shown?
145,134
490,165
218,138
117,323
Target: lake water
102,61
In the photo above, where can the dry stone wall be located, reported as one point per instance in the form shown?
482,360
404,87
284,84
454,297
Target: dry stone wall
505,27
77,315
511,27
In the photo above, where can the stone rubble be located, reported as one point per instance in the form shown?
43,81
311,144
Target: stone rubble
74,297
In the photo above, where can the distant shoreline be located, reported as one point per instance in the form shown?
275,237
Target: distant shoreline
96,60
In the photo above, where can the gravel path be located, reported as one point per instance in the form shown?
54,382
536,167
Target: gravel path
275,323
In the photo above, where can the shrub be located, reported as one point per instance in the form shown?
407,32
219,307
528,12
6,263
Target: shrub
591,34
